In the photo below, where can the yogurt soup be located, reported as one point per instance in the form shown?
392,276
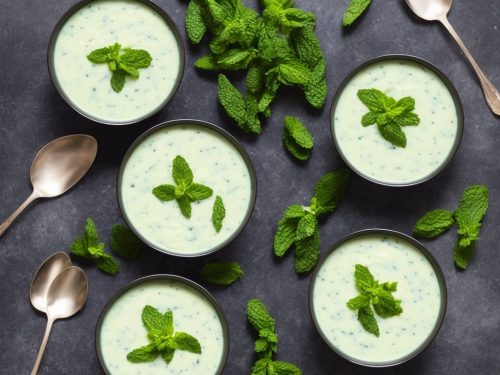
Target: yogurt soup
133,24
120,329
389,258
215,162
429,145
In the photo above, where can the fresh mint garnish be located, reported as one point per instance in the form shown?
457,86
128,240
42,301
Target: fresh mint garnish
354,10
162,339
124,242
89,247
222,273
276,47
218,213
185,191
373,296
121,62
267,343
468,217
389,115
297,139
299,225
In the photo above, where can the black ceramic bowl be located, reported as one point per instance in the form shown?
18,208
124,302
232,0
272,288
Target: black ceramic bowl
53,76
189,283
449,85
228,137
442,288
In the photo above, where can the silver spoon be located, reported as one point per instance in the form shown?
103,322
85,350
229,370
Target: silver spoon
44,277
66,296
437,10
56,168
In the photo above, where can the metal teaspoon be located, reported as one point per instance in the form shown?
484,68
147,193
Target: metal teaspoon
437,10
56,168
66,296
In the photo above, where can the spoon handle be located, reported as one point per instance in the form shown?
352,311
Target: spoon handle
490,92
38,360
11,218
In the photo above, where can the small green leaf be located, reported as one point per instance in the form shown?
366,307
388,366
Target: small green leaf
433,224
168,354
124,242
307,253
222,273
118,80
135,59
185,206
99,56
306,227
133,72
331,189
164,192
218,213
184,341
358,302
298,132
198,192
79,248
181,172
363,277
108,264
195,23
258,316
368,321
285,235
393,133
146,353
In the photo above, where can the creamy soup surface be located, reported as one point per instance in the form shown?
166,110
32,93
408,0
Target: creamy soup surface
123,331
428,145
215,162
132,24
388,258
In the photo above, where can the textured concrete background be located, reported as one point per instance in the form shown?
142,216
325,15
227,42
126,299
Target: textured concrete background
32,114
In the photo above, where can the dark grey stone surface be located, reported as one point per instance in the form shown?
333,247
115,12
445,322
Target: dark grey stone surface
32,114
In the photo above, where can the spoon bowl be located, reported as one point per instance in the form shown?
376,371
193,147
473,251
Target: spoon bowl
430,10
66,296
44,277
57,167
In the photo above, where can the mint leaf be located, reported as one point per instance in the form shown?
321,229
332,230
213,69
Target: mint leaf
433,224
363,277
222,273
131,71
393,133
168,354
307,253
146,353
267,341
284,368
368,321
153,319
79,248
306,227
258,316
354,10
298,132
463,254
186,342
124,242
358,302
118,80
99,56
181,172
91,236
232,101
185,206
384,304
108,264
136,59
164,192
293,72
330,190
218,213
260,367
198,192
294,212
285,236
300,153
470,213
195,23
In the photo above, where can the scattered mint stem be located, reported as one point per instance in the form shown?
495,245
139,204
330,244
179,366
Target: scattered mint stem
162,339
267,343
298,226
374,296
122,62
468,217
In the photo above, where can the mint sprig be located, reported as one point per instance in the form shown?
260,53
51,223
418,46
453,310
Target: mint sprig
124,242
468,217
222,273
89,247
389,114
298,226
121,62
162,339
354,10
374,296
267,344
185,191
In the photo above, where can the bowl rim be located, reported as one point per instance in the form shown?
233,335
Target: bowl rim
442,288
449,85
170,277
225,134
55,82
